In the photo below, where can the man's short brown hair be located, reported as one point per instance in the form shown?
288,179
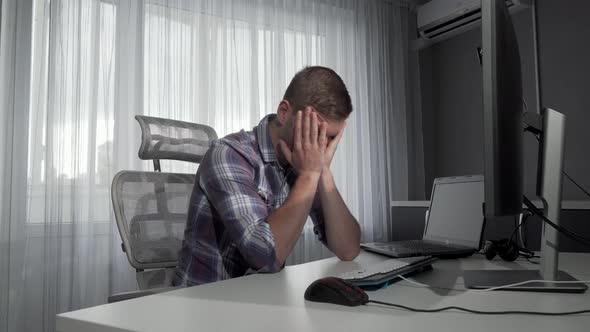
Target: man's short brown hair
321,88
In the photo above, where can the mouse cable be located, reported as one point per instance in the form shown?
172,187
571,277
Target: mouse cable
500,287
480,312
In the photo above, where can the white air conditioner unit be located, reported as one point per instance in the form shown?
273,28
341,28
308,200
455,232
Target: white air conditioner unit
442,19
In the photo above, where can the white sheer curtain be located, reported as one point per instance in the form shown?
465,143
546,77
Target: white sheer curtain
59,246
73,73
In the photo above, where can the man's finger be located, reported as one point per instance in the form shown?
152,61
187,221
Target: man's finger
314,128
323,139
306,127
286,151
297,133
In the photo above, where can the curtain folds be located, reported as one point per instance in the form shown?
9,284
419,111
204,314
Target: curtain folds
74,73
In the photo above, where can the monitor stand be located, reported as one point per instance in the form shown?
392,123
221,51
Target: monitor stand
483,279
549,178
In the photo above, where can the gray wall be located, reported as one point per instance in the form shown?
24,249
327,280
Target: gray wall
452,97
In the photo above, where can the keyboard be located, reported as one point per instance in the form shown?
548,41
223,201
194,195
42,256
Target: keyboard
417,248
387,270
416,245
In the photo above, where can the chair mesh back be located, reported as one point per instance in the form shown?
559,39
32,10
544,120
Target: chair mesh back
151,212
172,139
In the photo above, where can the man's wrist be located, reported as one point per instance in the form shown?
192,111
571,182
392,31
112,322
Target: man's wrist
309,176
327,180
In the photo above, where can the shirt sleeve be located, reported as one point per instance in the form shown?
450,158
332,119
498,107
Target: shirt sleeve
317,217
228,181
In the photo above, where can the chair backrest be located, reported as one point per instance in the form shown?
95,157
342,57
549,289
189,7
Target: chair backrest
173,139
151,211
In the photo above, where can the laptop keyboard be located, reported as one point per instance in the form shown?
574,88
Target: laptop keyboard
388,266
415,246
421,245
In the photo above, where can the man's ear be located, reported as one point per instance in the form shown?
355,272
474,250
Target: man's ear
283,112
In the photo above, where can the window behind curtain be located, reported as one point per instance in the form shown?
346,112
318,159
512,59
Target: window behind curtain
71,102
215,69
198,66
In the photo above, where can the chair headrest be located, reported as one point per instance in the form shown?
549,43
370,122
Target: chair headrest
173,139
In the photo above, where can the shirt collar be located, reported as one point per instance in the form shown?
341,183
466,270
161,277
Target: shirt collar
262,132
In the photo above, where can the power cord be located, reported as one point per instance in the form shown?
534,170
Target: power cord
561,229
481,312
517,225
576,184
500,287
525,216
517,233
536,133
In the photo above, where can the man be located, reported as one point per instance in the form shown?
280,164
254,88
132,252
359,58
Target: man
254,190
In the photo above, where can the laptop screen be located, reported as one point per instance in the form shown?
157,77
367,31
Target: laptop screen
456,215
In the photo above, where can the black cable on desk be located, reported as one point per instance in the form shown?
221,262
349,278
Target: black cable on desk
480,312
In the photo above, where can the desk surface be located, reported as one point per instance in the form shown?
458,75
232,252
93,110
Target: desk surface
274,302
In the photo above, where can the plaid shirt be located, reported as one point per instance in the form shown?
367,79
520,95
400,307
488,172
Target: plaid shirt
238,185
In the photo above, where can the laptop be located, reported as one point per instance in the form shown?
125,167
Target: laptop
454,222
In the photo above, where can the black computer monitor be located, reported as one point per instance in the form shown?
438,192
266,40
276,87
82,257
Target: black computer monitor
502,112
503,157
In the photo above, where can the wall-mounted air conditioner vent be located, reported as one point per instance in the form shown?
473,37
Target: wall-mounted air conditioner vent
442,19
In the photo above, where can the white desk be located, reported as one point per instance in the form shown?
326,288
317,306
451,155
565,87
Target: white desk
274,302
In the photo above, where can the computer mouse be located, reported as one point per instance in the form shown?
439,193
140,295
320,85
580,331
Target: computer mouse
337,291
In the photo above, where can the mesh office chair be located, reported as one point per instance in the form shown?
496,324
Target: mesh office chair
151,207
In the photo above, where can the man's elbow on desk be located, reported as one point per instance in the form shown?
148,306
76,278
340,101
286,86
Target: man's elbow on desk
346,246
349,254
258,249
268,264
